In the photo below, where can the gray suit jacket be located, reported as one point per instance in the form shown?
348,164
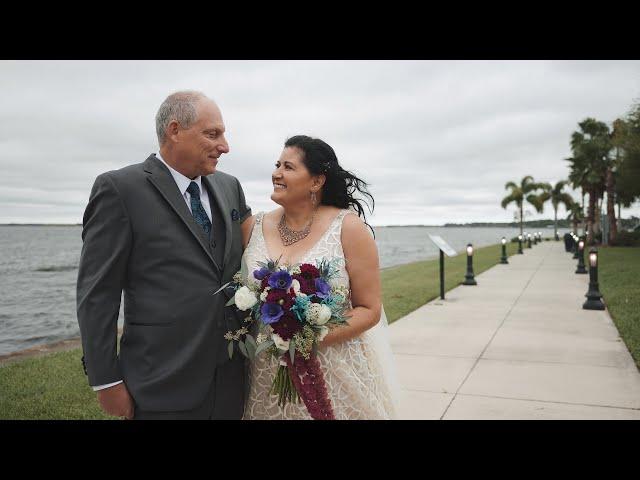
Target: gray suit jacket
140,238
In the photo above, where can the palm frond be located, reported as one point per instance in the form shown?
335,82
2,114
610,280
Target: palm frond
507,200
535,201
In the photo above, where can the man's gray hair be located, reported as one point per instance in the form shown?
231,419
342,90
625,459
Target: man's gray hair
179,106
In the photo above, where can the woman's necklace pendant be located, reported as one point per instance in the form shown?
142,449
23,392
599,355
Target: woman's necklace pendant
290,236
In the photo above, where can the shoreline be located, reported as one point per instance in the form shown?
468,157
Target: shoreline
44,349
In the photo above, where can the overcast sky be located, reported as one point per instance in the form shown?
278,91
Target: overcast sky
436,140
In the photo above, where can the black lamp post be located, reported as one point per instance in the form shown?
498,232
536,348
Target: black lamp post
593,295
469,278
576,253
520,244
529,244
581,268
503,258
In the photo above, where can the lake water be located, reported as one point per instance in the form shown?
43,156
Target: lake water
39,266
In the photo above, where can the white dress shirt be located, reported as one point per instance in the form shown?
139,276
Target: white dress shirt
183,183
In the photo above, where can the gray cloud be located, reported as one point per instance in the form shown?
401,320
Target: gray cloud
437,140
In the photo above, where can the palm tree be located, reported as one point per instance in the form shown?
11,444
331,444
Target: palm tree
613,167
590,147
576,215
557,196
522,192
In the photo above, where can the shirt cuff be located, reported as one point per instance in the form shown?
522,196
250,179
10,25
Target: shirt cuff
102,387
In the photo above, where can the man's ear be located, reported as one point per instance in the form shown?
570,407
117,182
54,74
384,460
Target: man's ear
172,130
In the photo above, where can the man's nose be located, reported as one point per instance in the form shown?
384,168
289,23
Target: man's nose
224,146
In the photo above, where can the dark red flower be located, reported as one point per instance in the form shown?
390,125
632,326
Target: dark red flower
288,298
287,326
307,286
309,272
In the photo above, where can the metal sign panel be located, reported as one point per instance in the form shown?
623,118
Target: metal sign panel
442,245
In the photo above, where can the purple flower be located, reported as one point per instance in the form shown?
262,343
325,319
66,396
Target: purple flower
280,279
322,288
271,313
260,274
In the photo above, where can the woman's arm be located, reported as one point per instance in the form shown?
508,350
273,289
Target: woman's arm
361,254
247,228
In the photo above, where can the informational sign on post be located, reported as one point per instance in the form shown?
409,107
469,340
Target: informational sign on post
444,247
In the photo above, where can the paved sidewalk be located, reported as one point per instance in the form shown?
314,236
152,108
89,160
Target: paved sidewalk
516,346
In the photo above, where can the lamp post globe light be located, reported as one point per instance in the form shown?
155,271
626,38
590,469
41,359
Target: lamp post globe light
503,258
469,277
520,244
581,268
529,242
576,253
594,297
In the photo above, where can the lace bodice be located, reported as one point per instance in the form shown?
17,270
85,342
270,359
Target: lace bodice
327,246
351,369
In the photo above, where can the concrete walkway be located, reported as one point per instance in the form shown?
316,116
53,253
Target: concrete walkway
516,346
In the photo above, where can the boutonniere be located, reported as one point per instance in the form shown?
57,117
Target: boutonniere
235,216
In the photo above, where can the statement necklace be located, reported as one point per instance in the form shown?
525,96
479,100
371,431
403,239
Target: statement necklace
290,236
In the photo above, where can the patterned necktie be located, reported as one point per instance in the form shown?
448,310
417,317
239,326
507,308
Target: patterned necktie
197,210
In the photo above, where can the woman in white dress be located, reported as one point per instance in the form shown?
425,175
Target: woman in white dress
319,218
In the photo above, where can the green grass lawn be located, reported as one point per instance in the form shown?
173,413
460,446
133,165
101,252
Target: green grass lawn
48,387
407,287
54,386
618,276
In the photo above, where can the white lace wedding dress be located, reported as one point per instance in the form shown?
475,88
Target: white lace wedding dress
358,373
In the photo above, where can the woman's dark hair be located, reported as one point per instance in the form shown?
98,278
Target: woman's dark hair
340,185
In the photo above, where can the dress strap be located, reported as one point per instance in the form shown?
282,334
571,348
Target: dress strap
337,222
256,223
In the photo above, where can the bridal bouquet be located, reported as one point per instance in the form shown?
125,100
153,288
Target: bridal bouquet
294,309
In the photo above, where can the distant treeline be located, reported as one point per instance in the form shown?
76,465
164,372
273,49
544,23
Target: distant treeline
625,223
531,224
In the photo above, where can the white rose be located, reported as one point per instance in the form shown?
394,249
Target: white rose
295,284
323,333
245,298
280,343
318,314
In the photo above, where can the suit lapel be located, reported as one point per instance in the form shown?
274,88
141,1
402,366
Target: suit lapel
161,178
215,189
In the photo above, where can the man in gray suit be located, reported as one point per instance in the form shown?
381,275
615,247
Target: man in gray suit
167,232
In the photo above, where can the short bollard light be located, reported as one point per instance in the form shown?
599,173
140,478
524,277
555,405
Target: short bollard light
469,278
535,238
520,244
594,297
529,244
503,258
540,237
576,253
581,268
